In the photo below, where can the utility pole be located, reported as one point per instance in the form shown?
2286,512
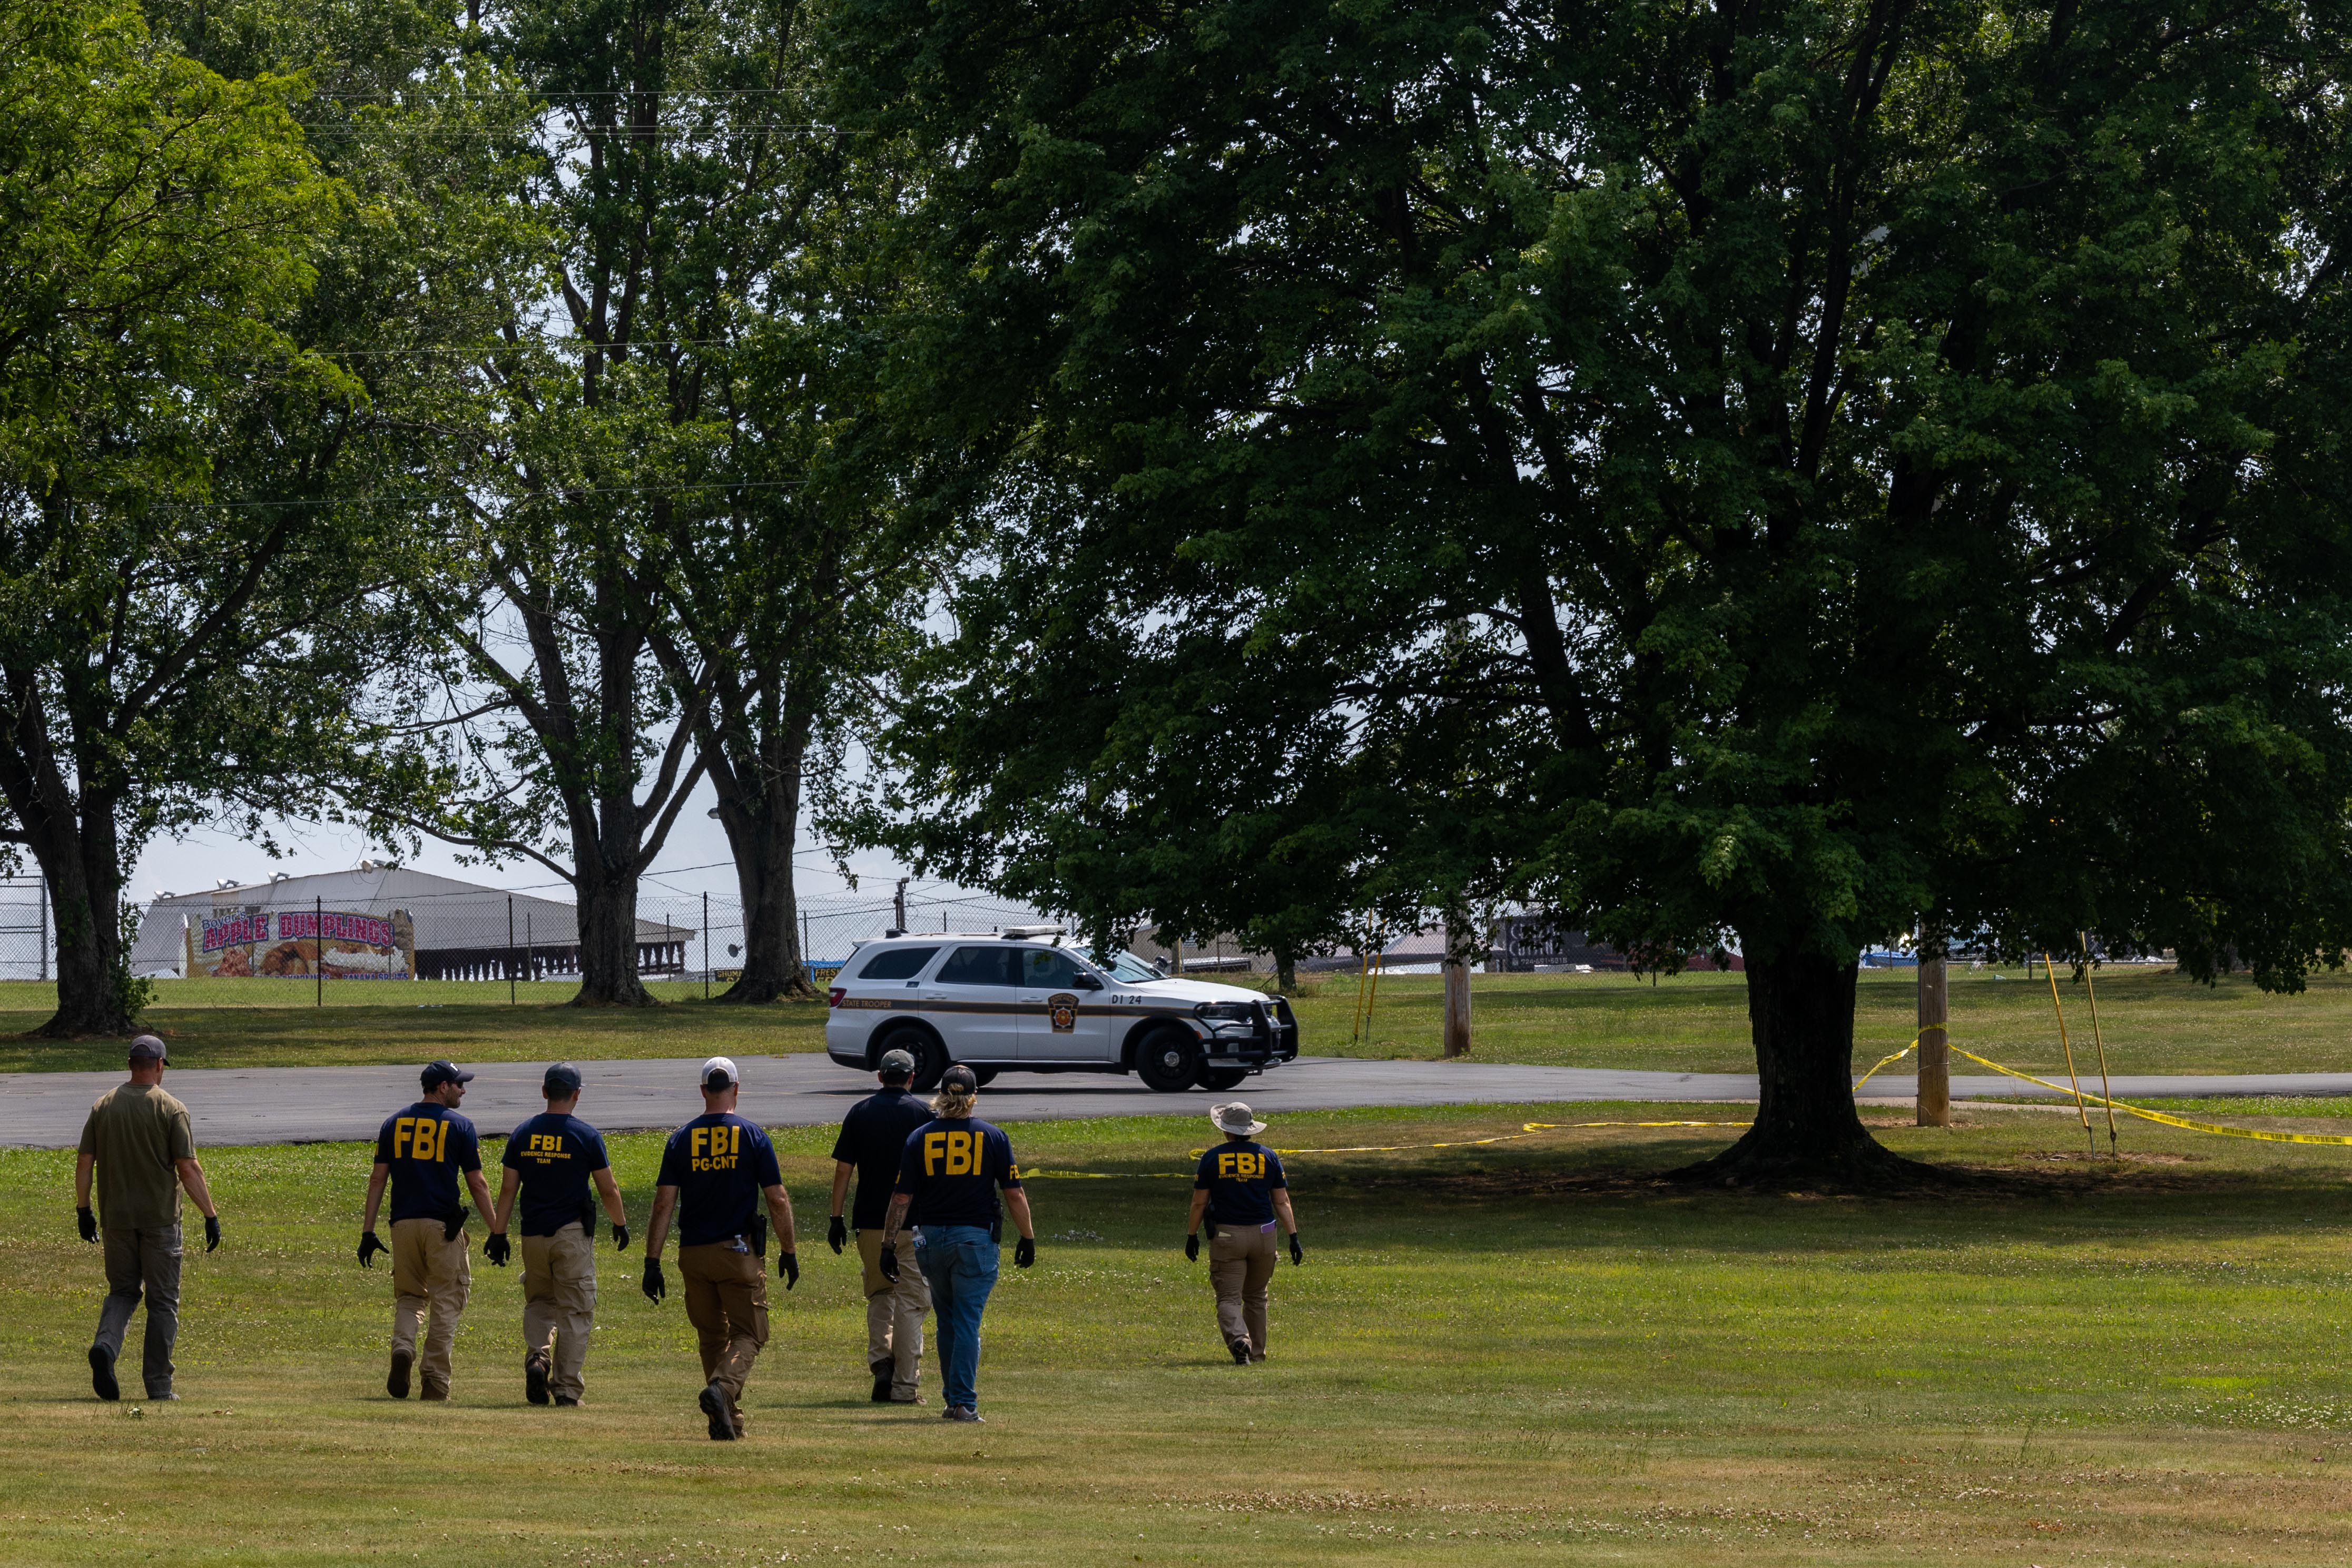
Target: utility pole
319,950
1457,990
1935,1040
43,899
706,944
510,951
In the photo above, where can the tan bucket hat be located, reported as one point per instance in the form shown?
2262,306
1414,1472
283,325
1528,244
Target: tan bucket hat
1235,1118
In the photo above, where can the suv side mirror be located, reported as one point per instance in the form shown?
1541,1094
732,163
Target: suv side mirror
1086,982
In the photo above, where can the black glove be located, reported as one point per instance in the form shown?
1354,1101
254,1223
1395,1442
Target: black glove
1297,1254
1024,1252
370,1245
1192,1247
888,1261
788,1268
496,1249
211,1232
837,1234
86,1222
456,1223
653,1284
620,1239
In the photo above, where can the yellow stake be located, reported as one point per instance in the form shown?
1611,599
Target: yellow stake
2106,1089
2080,1109
1368,982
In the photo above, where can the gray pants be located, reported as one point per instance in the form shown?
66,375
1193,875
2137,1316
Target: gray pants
143,1262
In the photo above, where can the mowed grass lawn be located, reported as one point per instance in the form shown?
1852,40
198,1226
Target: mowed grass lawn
2154,1021
1526,1353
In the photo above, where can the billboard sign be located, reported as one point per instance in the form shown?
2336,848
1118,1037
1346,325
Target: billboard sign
335,944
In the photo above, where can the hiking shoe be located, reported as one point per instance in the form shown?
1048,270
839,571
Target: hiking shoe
101,1374
565,1402
721,1411
960,1413
906,1399
882,1372
535,1377
396,1385
166,1397
436,1389
1240,1349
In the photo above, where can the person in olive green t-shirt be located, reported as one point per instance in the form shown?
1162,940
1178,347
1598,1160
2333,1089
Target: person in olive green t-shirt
138,1142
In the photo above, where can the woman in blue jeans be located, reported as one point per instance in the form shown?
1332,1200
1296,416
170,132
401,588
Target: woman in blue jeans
953,1168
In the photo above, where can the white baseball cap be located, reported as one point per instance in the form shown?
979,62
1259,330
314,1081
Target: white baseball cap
718,1073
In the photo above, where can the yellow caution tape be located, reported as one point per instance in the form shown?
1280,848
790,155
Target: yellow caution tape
1886,1061
2331,1138
1527,1130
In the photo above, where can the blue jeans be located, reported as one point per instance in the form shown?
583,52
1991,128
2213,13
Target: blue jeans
960,1261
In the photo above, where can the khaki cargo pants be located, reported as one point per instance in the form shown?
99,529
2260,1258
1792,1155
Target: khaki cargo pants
894,1312
428,1272
1241,1263
727,1302
559,1304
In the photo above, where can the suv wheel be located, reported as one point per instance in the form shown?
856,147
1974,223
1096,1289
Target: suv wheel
983,1076
1167,1060
1219,1079
931,1056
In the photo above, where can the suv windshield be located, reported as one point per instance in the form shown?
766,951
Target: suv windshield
1130,970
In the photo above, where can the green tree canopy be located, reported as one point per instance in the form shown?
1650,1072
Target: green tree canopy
159,643
1783,473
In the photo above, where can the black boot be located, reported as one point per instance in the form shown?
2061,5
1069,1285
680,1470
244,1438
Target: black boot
882,1372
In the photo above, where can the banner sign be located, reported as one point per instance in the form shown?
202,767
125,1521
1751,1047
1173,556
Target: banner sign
334,944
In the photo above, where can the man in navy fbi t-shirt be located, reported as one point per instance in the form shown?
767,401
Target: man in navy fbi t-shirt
948,1177
423,1151
550,1162
716,1171
1240,1190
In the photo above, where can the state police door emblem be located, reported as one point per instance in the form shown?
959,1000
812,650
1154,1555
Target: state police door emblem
1064,1011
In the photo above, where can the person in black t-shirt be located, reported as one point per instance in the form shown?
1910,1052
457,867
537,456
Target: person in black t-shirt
715,1173
423,1152
948,1177
550,1162
873,1138
1240,1190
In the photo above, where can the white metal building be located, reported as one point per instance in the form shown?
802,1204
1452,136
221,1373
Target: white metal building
380,922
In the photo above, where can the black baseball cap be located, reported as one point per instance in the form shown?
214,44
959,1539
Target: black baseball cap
436,1074
960,1079
562,1078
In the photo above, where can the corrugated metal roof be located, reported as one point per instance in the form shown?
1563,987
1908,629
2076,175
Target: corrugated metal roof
447,913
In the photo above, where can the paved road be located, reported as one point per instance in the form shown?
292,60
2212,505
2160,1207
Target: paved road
310,1104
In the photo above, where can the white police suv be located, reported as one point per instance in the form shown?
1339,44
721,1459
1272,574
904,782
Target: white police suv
1028,1001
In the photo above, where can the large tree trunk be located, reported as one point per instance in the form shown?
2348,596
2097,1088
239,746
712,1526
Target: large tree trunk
761,830
607,908
1801,1014
92,998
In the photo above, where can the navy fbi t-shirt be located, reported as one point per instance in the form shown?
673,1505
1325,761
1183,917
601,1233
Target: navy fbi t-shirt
952,1169
427,1146
555,1155
873,1139
720,1163
1239,1178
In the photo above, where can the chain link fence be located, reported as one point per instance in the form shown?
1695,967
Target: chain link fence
28,943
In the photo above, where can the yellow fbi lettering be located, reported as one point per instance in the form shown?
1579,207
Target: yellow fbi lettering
1241,1167
714,1148
420,1138
951,1154
546,1147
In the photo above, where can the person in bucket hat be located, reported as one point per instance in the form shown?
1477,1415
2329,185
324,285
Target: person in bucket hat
1240,1190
